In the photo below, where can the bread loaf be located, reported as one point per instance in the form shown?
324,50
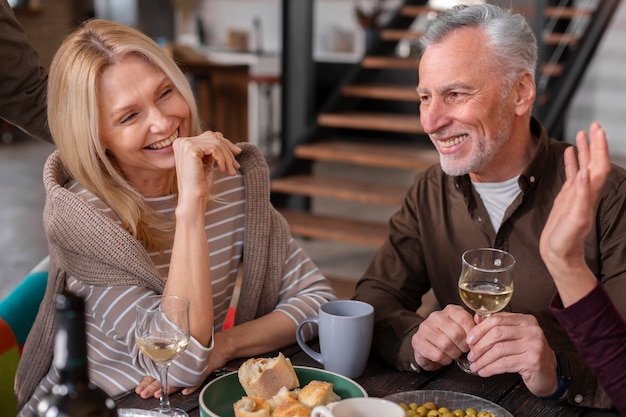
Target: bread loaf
264,377
317,393
281,396
291,407
251,407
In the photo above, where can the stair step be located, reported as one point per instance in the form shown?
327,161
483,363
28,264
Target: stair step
398,34
399,156
341,189
391,122
381,92
555,12
549,38
552,70
394,62
333,228
552,38
389,62
552,12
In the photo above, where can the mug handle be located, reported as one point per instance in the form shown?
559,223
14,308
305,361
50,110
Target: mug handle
321,411
302,343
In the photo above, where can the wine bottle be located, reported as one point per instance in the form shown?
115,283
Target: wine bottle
74,395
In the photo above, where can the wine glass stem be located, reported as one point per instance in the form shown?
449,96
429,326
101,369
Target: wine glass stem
482,316
164,401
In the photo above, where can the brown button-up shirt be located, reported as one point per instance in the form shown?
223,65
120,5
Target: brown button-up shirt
22,78
443,216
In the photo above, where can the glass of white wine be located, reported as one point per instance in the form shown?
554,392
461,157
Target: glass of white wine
162,334
485,285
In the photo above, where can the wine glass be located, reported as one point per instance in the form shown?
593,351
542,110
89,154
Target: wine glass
162,334
485,285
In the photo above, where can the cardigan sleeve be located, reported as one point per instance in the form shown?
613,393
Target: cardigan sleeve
113,317
303,288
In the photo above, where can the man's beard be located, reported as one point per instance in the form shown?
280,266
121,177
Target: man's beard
482,153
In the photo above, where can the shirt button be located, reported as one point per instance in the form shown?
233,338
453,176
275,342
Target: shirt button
532,178
578,398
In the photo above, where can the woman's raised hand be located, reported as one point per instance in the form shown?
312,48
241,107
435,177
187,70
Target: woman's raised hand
197,156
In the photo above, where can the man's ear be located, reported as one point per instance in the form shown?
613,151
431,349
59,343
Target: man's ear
524,91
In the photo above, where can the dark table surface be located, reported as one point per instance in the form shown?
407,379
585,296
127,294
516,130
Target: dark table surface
380,380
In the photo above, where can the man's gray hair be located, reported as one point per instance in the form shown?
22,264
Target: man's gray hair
511,40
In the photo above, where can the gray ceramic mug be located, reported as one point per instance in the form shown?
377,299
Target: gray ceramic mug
345,334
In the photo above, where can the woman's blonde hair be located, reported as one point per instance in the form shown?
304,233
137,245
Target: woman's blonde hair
73,117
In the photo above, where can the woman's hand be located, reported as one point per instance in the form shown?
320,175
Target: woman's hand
196,157
563,237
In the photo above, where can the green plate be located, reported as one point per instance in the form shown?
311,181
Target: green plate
218,396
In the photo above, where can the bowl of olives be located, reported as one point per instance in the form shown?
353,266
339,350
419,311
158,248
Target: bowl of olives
435,403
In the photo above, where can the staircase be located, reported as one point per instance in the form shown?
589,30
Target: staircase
369,130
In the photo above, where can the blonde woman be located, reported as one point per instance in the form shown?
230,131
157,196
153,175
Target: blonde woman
140,201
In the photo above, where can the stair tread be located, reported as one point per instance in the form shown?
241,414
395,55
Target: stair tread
554,12
390,62
398,34
414,156
334,228
553,38
393,122
360,191
395,62
552,70
550,38
381,91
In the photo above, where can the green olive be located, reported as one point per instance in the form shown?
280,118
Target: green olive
422,411
430,406
430,409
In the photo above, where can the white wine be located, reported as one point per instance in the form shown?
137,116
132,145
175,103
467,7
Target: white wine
75,394
163,348
485,297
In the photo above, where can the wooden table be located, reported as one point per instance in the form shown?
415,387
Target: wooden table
380,380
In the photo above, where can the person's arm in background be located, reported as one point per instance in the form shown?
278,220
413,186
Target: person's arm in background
23,79
582,305
563,237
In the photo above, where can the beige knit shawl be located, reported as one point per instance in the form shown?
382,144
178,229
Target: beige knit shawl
87,245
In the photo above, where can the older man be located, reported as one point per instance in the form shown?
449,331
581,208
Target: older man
498,176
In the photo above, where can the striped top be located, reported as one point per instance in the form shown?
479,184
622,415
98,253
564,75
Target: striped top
116,365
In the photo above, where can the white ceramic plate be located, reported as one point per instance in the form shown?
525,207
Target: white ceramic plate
218,396
449,399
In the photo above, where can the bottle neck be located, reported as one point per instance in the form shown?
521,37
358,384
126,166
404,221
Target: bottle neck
70,347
